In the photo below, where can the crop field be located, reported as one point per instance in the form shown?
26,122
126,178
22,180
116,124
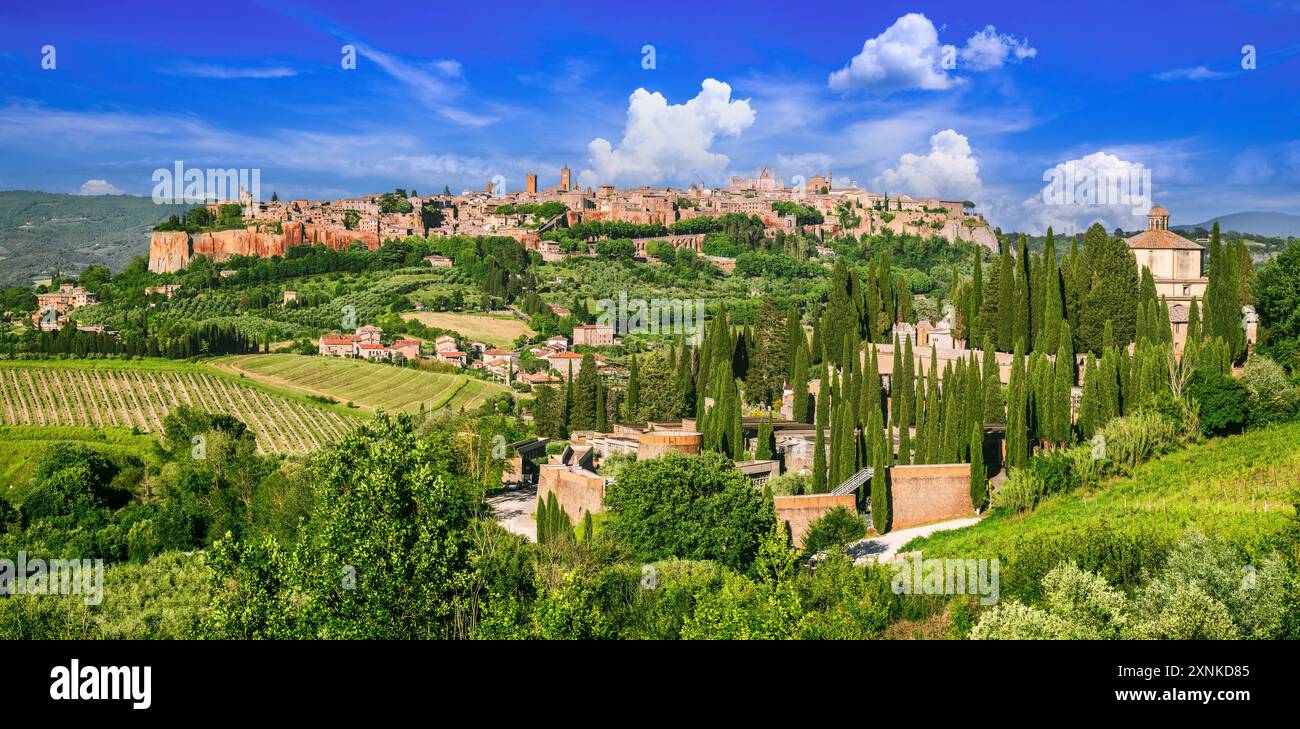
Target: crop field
366,384
500,330
139,398
1238,488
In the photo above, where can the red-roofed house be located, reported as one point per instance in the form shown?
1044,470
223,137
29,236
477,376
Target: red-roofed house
407,348
337,345
452,357
593,335
373,351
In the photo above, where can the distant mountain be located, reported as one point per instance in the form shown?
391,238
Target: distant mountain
42,231
1274,225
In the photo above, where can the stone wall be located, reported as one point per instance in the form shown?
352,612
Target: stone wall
658,442
578,491
927,494
173,250
800,511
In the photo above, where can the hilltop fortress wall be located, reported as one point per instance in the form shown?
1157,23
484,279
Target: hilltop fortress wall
173,250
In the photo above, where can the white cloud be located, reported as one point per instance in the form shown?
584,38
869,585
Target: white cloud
665,142
989,49
214,71
1193,73
98,187
1098,187
428,86
949,170
905,56
908,55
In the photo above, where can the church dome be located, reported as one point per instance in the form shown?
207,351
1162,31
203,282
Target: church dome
1158,211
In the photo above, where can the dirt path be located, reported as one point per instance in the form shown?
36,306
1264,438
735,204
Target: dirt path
883,549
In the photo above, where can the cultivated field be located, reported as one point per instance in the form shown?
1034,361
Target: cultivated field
124,396
366,384
499,330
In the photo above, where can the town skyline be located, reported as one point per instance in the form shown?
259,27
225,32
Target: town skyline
919,99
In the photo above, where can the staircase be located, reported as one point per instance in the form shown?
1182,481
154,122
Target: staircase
854,482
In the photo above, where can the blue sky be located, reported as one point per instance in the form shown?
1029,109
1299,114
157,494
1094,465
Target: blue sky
454,93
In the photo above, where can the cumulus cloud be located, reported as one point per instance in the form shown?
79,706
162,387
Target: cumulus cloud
99,187
1098,187
907,55
949,170
665,142
989,49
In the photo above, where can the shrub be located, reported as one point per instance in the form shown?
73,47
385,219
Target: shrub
835,528
1221,400
1055,470
1272,397
1133,439
789,484
1020,492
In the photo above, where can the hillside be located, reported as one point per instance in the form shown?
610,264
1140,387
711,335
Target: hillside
41,231
1274,225
135,397
1235,487
367,385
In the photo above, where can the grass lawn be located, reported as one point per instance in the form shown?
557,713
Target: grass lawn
496,329
368,385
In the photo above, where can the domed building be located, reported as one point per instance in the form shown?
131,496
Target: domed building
1177,265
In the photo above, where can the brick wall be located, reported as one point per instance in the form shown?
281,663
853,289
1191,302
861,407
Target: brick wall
578,491
926,494
800,511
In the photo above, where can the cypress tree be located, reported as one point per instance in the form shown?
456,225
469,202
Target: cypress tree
799,410
823,417
880,501
632,403
765,448
978,474
974,327
602,415
1193,323
1006,302
994,410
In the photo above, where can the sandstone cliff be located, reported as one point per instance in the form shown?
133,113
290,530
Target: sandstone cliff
173,251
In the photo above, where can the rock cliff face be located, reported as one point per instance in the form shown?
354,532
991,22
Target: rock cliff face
173,251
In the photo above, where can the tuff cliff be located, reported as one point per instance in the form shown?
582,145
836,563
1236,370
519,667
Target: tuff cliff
173,251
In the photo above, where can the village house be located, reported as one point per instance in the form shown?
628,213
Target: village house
369,334
593,335
452,357
439,261
444,343
337,345
406,348
67,298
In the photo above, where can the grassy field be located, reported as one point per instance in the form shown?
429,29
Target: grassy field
136,396
368,385
1234,487
498,329
23,446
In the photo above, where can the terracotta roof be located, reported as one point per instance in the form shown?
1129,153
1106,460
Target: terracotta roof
1158,210
371,346
451,355
566,355
1164,240
407,343
1178,313
336,339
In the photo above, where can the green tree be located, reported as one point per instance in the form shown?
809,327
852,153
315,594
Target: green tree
690,507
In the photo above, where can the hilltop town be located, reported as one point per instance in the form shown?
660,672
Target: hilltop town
536,216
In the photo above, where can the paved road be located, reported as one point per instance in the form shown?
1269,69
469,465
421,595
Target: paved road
883,549
514,511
